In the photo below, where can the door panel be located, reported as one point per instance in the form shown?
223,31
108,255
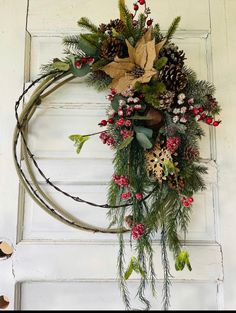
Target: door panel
75,269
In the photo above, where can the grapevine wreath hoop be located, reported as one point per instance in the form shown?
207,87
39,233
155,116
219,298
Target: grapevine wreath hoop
156,106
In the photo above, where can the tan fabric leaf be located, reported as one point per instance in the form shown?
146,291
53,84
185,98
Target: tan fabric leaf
131,51
148,35
123,83
141,55
151,55
159,46
118,69
147,76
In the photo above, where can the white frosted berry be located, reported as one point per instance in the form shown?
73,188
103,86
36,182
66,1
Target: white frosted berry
183,110
181,96
175,119
176,111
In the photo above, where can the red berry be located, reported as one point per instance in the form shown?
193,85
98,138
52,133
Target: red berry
195,111
78,64
141,2
139,196
84,60
190,200
209,120
136,7
103,123
203,116
201,110
186,203
149,22
124,196
216,123
111,121
113,92
90,60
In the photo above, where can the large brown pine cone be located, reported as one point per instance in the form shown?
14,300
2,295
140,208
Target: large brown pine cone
176,183
174,55
174,77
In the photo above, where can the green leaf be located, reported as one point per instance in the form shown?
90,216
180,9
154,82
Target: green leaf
87,47
79,141
160,87
160,63
125,143
169,167
143,141
61,66
84,70
115,102
129,271
181,260
146,131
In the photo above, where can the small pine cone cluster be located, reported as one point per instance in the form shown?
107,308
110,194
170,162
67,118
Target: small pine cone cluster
176,183
174,77
112,47
211,105
174,55
117,24
166,99
191,153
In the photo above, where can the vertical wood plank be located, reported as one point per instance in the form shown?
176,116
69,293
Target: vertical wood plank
12,38
224,63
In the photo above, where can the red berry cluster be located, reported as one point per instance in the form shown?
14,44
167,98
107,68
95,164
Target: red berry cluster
202,115
107,139
121,180
84,60
172,144
187,201
104,122
146,11
138,231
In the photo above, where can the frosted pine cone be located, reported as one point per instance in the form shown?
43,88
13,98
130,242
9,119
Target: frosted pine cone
174,77
191,153
174,55
166,99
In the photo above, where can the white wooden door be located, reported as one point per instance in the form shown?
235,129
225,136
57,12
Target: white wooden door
56,267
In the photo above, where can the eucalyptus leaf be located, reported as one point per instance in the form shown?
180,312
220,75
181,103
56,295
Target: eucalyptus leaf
84,70
144,141
146,131
125,143
61,66
181,260
115,102
88,48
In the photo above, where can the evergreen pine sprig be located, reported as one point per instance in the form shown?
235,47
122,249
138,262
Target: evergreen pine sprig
172,29
72,42
85,23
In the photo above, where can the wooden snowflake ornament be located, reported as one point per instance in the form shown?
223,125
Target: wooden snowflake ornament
155,159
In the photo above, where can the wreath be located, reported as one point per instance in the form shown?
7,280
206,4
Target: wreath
153,124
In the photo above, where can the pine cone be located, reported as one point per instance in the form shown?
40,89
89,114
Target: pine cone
191,153
117,24
176,183
174,55
174,77
103,28
112,47
211,105
166,99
